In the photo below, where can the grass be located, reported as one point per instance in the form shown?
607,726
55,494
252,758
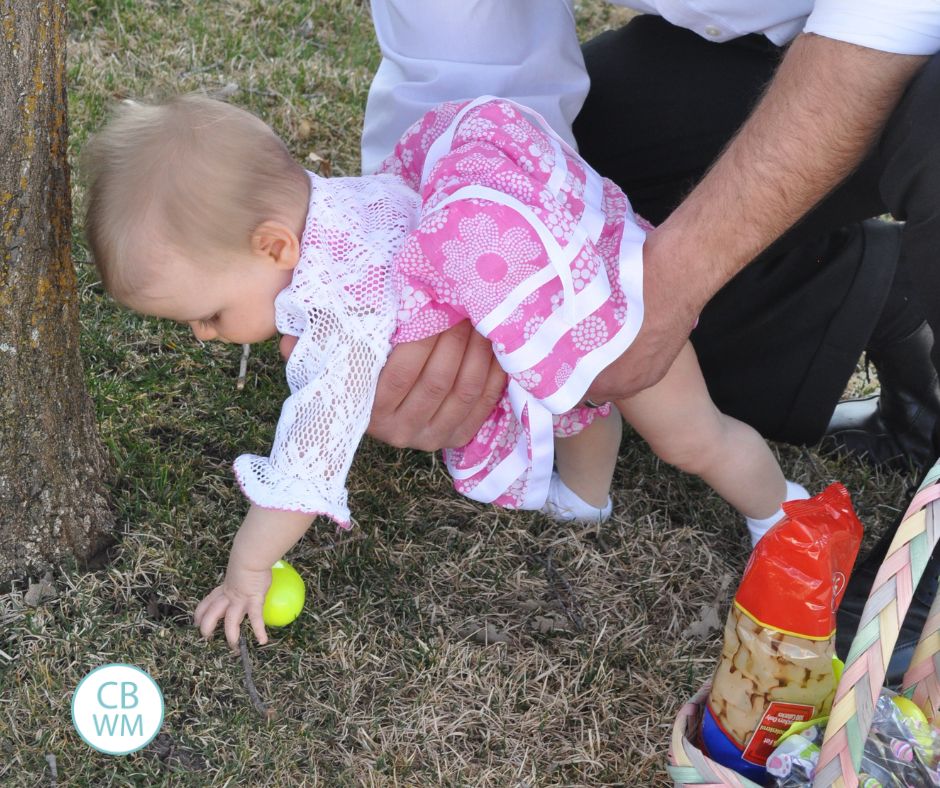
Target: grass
445,643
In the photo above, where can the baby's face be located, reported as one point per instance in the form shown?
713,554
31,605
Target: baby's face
230,299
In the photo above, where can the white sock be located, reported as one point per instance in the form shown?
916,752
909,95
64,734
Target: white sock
757,528
565,506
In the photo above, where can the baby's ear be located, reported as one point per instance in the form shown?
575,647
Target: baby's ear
276,242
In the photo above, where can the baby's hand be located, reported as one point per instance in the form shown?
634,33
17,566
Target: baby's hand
264,536
241,594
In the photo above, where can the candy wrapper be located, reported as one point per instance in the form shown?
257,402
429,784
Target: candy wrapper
902,751
794,761
776,664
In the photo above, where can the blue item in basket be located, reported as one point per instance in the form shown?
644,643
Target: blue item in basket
718,746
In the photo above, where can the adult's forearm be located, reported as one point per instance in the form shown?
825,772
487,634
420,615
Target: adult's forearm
818,118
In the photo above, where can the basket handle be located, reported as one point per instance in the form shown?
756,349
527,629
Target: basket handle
921,682
878,630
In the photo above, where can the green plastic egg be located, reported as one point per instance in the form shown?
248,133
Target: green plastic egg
285,598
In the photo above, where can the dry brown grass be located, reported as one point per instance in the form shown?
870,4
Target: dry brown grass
451,644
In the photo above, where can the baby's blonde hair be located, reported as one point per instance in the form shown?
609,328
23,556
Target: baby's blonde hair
193,173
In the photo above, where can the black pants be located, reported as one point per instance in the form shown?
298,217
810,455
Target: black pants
778,343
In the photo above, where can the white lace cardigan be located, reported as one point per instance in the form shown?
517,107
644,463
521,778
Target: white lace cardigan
341,305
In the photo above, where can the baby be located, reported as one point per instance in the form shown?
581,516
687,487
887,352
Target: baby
198,213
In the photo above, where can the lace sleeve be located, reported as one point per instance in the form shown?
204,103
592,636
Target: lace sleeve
341,306
332,374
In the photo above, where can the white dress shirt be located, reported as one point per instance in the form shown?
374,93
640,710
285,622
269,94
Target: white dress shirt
528,50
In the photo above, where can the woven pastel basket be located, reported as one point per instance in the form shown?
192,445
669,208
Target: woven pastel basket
865,666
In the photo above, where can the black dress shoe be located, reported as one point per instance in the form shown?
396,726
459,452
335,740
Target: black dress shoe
856,595
895,428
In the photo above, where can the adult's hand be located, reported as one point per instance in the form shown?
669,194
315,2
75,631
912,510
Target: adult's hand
437,392
672,301
433,393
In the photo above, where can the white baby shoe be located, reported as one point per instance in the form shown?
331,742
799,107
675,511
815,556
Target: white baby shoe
565,506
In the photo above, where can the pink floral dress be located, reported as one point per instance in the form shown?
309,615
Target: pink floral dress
518,234
483,213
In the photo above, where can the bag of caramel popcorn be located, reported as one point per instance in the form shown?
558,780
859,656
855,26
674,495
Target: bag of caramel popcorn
776,664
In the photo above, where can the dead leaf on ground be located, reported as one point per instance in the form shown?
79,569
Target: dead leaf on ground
158,610
554,623
175,756
485,635
324,167
708,622
40,592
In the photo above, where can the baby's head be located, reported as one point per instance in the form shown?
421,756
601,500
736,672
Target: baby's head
195,211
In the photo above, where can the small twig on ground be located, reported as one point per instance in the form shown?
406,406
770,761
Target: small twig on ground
561,589
819,472
200,69
53,770
263,92
243,367
256,701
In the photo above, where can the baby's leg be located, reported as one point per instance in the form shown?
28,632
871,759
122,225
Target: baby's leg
586,461
580,490
679,421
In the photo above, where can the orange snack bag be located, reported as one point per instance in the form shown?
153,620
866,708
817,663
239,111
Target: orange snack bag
776,664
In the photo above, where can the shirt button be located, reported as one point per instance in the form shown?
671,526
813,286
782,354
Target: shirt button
712,32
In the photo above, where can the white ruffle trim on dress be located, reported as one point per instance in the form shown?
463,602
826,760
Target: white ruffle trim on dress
267,487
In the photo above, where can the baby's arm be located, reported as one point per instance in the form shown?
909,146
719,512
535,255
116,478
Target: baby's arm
264,537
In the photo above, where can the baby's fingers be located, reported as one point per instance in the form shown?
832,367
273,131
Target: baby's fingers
204,604
211,614
255,609
233,621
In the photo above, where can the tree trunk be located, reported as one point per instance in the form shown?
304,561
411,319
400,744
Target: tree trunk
53,506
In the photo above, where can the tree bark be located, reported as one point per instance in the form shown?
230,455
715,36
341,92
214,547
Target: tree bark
53,505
